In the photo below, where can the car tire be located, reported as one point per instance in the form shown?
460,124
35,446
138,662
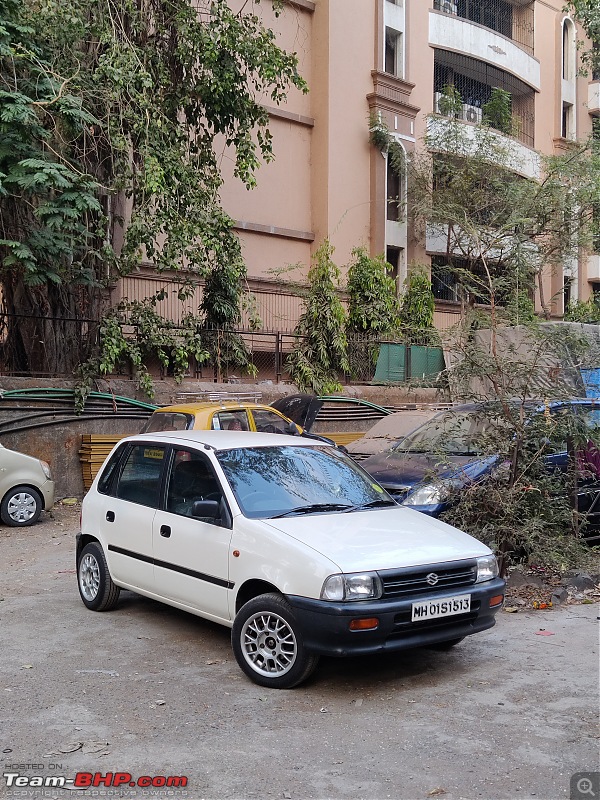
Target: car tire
21,506
446,645
268,645
96,587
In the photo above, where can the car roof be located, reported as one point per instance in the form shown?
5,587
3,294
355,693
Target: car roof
226,440
194,408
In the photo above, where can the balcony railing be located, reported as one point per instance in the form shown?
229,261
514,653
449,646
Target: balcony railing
474,80
516,22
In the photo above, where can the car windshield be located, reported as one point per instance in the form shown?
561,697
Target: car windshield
450,433
290,481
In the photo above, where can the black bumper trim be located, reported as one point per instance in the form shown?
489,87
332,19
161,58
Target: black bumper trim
325,626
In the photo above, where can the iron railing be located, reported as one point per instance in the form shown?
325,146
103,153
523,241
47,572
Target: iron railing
54,348
516,22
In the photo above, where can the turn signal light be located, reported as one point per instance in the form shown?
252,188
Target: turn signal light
496,600
369,624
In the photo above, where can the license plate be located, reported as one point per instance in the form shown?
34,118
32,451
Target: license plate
432,609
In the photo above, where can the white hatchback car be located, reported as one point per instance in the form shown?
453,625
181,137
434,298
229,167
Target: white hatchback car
26,488
286,541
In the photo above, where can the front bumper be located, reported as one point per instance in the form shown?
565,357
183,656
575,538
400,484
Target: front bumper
47,490
325,626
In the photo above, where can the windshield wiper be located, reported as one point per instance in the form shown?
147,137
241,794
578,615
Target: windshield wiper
373,504
314,507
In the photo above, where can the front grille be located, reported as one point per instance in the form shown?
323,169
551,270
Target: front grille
397,583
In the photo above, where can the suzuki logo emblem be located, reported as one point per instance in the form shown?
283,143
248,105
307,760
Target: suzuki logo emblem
432,579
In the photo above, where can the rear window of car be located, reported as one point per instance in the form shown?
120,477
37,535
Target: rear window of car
168,421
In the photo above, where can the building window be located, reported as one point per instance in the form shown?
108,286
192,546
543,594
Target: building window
393,52
393,189
455,279
567,280
392,256
566,128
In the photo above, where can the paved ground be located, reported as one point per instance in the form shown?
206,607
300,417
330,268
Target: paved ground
151,691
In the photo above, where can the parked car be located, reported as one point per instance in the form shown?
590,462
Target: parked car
423,469
286,541
389,430
26,488
240,416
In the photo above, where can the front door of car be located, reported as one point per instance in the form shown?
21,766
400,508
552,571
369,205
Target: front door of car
127,515
191,555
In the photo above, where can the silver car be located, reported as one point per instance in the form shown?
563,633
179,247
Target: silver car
26,488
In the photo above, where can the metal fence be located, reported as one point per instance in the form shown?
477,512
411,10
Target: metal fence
55,348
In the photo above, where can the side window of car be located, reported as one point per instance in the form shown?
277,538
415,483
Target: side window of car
268,422
139,481
191,478
230,421
105,480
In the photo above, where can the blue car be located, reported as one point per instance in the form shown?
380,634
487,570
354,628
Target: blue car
424,469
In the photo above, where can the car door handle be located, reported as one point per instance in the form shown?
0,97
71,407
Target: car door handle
110,516
165,531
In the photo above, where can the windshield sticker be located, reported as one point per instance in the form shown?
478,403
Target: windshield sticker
377,488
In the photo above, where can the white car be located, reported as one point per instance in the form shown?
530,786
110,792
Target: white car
26,488
286,541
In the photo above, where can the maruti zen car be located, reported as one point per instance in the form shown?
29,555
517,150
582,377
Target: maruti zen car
286,541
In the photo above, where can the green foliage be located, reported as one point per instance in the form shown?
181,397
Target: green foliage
450,102
497,112
525,512
587,311
418,304
321,347
372,299
379,133
111,111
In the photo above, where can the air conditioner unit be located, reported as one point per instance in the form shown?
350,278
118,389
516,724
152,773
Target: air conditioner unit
449,7
471,113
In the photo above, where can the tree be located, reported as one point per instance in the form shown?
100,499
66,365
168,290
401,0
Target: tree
418,304
320,352
502,232
372,299
112,118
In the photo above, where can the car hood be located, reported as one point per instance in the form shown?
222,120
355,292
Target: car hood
300,408
399,469
380,538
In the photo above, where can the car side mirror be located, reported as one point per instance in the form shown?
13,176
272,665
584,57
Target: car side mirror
293,429
206,508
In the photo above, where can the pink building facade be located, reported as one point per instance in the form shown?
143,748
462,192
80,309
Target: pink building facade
388,60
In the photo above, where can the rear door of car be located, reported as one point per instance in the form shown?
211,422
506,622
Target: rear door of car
192,555
126,504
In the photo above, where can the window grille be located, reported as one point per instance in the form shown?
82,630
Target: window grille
447,282
475,80
516,22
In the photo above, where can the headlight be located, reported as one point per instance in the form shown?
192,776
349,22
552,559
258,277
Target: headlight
46,467
357,586
487,568
429,495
